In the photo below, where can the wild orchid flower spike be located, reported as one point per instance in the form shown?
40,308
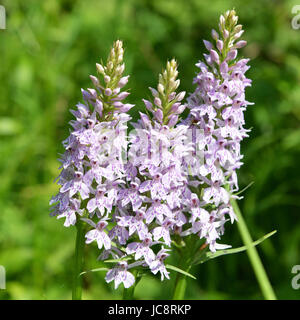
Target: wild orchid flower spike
217,108
148,212
92,165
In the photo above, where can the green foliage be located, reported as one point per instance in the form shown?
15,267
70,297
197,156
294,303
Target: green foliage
47,52
207,255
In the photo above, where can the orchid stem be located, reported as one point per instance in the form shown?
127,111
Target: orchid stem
78,261
180,287
254,258
181,279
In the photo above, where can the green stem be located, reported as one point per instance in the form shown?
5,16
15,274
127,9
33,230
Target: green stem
257,265
185,264
78,262
180,287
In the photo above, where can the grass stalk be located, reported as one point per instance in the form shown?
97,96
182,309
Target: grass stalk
254,258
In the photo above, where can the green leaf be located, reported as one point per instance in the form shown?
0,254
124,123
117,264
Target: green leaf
117,260
243,190
93,270
169,266
212,255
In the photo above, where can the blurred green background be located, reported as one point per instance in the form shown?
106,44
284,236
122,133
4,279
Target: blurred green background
47,52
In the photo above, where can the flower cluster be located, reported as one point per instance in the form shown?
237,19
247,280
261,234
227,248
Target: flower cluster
179,175
217,109
93,165
150,207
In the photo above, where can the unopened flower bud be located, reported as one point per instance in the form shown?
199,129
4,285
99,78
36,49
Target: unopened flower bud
177,108
224,67
118,104
181,108
238,35
158,115
148,104
106,79
99,107
122,95
234,20
92,92
176,84
108,92
123,81
173,120
214,56
120,56
240,44
214,34
126,107
231,55
238,28
94,80
222,21
110,65
154,92
157,101
120,69
180,96
160,88
100,68
116,91
220,45
208,45
145,119
172,96
225,34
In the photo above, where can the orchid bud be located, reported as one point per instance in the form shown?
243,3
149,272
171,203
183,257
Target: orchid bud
180,96
158,115
219,45
225,34
100,68
208,45
154,92
173,120
148,104
231,55
160,88
214,34
108,91
240,44
157,102
106,79
123,81
94,80
122,95
214,56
